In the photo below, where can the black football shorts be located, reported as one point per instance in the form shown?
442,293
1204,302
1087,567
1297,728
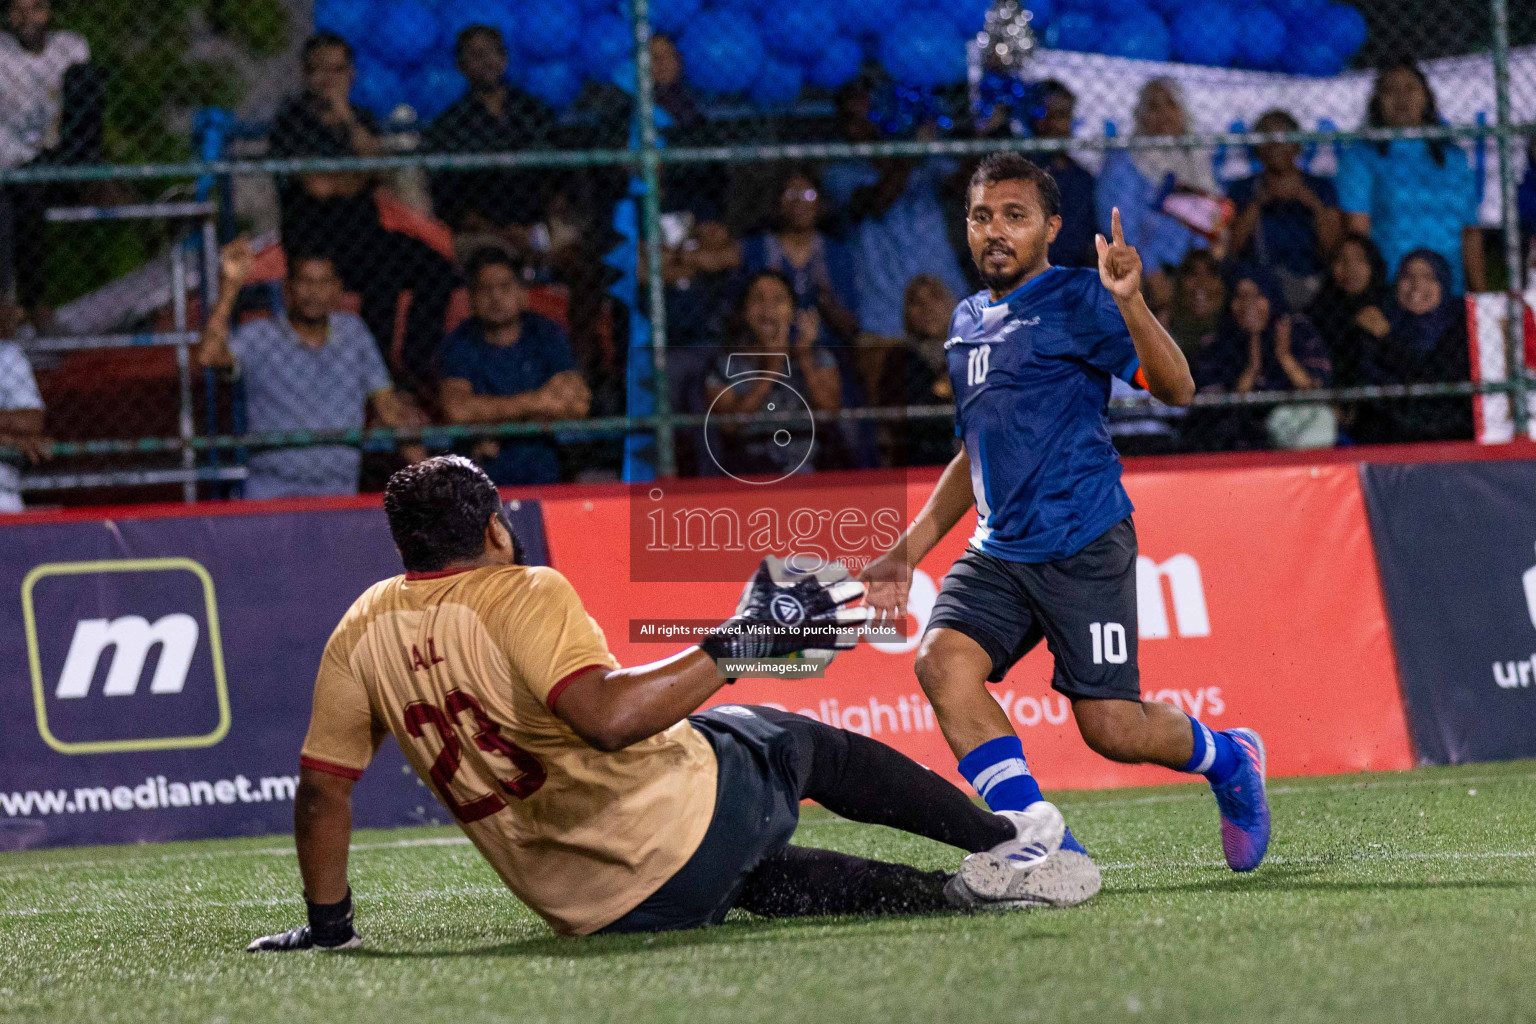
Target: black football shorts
1083,607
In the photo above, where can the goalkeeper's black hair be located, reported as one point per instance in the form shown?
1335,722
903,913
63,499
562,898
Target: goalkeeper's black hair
438,510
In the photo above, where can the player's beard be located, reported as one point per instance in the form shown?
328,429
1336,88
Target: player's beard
1003,282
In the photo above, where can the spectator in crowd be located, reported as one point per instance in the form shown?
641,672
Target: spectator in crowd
1352,295
507,364
491,117
1421,336
1260,346
918,374
334,214
1287,221
312,368
1199,296
899,221
1409,194
775,365
799,250
45,80
21,410
1525,199
1053,120
1139,181
672,92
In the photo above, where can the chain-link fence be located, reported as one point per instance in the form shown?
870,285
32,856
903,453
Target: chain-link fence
502,228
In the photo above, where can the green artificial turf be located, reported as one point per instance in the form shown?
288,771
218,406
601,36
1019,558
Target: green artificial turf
1400,897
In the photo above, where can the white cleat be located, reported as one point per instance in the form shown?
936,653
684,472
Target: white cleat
1038,830
986,881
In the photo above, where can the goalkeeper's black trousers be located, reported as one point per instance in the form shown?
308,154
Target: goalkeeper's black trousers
769,760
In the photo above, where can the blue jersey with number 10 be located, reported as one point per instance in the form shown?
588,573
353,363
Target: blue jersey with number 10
1031,375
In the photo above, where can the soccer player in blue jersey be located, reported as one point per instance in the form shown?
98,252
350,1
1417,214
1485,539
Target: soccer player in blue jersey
1053,555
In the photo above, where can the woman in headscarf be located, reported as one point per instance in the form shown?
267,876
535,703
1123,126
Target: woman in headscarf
1420,337
1139,180
1261,346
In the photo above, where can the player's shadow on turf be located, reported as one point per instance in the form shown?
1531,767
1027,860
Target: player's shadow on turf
818,929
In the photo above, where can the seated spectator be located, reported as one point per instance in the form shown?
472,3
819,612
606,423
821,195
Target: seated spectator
699,263
800,251
312,368
1409,194
21,412
918,374
1199,296
1053,120
1260,346
1287,221
45,78
506,364
898,217
1352,296
333,213
1139,180
780,369
1421,336
492,117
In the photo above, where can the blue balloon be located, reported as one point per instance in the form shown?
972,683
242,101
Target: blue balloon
968,16
778,83
796,30
1073,30
549,30
924,50
1205,33
432,88
607,41
1042,13
1314,58
1261,38
556,82
721,52
672,16
1140,37
376,87
350,19
1343,28
1294,10
404,32
1167,7
837,64
455,17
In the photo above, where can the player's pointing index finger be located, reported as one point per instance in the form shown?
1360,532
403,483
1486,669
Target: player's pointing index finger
1116,233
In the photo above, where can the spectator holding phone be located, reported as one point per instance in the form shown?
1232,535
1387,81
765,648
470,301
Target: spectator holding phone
1409,194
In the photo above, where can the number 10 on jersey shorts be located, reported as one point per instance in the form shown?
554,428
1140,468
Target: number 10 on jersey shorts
1083,607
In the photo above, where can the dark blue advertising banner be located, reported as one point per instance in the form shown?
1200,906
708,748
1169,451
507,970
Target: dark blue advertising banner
1456,546
156,673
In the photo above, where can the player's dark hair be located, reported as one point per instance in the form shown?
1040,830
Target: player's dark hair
438,510
1013,167
468,35
490,256
324,41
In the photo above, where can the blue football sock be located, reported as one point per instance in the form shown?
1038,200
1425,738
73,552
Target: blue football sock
1069,842
1215,755
997,771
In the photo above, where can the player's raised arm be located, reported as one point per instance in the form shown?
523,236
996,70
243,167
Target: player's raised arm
889,576
1166,370
614,708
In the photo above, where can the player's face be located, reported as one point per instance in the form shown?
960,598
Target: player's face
1008,232
1351,269
1250,307
496,297
313,291
1418,289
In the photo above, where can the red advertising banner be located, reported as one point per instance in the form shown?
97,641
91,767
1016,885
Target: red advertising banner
1258,599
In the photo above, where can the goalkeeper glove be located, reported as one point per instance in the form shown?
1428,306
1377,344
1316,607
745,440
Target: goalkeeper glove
783,612
330,927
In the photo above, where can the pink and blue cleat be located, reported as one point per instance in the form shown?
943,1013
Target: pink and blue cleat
1244,805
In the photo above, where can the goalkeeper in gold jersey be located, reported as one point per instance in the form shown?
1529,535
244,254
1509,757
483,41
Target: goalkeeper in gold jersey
596,792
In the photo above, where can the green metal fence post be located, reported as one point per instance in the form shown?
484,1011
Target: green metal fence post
650,233
1514,324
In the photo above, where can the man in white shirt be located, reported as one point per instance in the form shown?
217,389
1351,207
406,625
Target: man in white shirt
34,59
21,418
